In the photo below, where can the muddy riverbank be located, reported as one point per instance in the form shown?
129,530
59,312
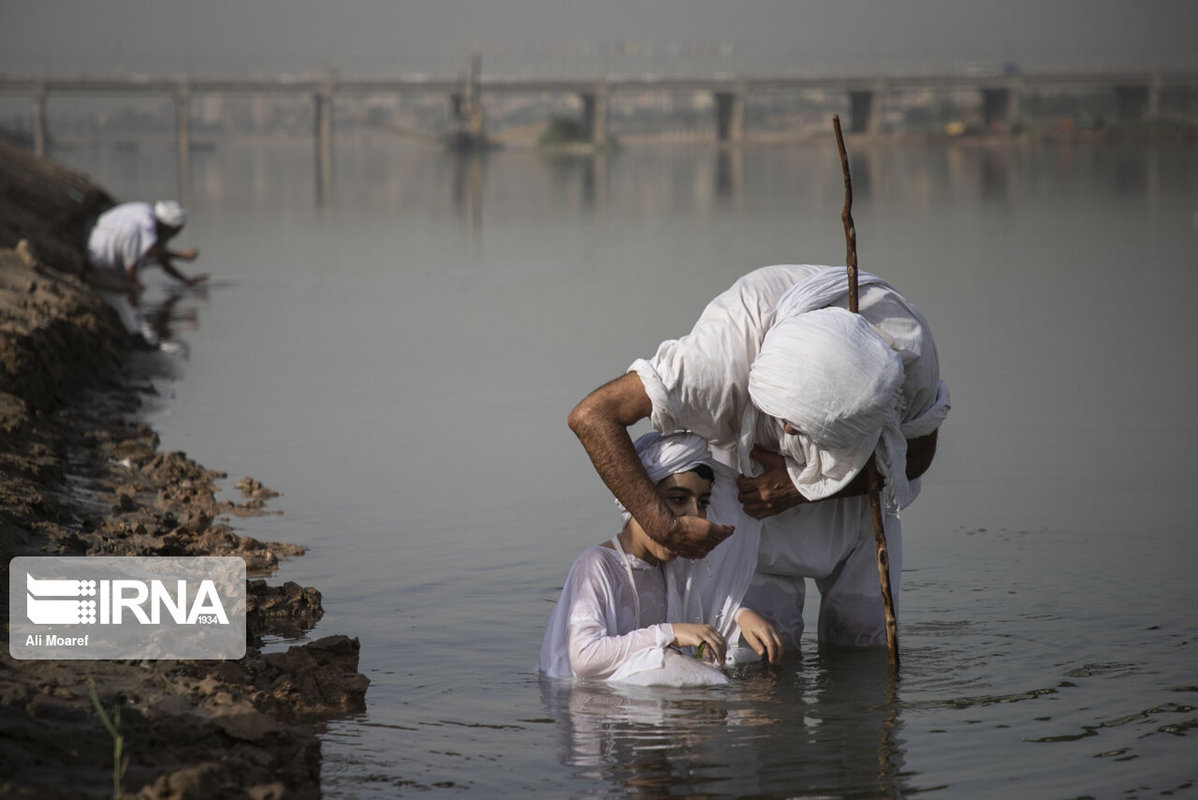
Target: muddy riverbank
81,476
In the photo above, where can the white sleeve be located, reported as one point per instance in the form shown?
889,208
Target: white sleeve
701,381
596,648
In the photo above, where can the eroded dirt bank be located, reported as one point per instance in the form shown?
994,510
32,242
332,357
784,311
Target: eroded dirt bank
78,477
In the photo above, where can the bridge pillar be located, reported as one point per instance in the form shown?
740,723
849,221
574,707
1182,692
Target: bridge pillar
39,121
466,124
594,115
474,105
323,107
457,107
863,111
1000,108
730,116
183,138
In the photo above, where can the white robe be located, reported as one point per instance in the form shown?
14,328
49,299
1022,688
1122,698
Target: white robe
122,236
700,383
593,631
711,590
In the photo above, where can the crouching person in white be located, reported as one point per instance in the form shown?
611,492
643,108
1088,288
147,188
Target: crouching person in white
610,622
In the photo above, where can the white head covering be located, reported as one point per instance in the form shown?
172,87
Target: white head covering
831,376
170,213
668,455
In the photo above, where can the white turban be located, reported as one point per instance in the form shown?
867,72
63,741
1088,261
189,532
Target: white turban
827,373
170,213
664,456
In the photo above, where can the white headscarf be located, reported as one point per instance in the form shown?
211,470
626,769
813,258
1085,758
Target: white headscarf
170,213
830,375
668,455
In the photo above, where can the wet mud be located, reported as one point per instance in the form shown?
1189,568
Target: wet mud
79,475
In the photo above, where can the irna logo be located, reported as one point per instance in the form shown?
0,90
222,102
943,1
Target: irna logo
126,607
84,602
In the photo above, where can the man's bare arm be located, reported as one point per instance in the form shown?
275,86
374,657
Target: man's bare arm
601,421
166,259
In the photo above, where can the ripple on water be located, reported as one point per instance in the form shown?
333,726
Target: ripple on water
1112,669
1152,716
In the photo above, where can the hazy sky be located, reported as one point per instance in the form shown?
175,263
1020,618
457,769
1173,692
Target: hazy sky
592,37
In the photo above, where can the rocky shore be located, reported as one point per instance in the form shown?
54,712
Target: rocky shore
80,476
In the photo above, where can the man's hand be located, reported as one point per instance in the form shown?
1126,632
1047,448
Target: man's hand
694,537
190,254
771,492
601,421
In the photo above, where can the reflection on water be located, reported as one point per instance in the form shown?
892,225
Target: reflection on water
468,172
826,724
400,364
163,319
585,176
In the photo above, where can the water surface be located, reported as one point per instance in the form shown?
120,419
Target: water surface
400,363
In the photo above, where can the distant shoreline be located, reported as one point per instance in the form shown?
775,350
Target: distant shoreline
527,139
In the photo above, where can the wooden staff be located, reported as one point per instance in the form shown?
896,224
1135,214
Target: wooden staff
871,468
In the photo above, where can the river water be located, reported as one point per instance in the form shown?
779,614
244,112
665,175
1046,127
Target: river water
399,363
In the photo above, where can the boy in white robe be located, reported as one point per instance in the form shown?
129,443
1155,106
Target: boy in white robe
610,621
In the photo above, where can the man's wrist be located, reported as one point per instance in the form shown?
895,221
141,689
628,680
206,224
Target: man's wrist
670,531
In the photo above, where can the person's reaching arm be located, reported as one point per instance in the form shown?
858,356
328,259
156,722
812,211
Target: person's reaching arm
165,258
601,422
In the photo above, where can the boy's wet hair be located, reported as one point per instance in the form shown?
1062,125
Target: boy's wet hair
703,471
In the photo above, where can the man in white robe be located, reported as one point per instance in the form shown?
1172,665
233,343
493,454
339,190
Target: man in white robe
127,238
797,394
130,236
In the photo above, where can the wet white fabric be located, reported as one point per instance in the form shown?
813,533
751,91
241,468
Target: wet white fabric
122,236
678,670
700,382
711,590
636,598
593,633
666,455
610,621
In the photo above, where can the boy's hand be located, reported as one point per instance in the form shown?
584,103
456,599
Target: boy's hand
690,634
759,634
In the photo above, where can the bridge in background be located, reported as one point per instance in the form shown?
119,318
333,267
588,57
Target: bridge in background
1137,97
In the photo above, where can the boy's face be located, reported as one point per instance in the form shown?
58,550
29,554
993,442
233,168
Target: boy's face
688,495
